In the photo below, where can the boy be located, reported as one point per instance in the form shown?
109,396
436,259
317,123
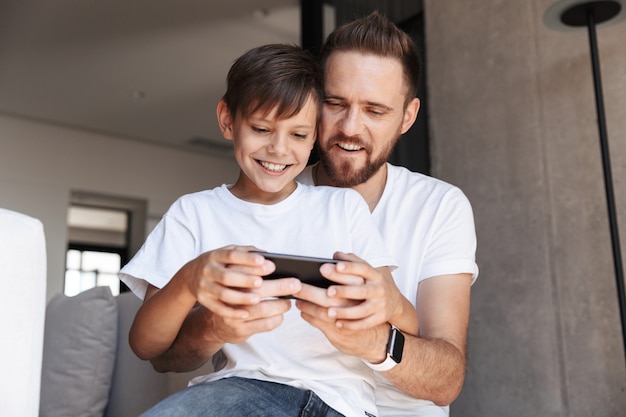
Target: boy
198,257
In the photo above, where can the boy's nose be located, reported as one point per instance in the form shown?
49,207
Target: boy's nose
278,143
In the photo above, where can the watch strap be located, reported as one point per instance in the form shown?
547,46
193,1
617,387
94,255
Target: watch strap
395,345
385,365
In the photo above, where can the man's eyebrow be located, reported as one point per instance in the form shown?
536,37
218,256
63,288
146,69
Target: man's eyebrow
381,105
369,103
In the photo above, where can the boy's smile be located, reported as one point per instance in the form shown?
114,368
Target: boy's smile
270,152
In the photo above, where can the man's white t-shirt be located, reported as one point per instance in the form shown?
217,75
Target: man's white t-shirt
312,221
428,227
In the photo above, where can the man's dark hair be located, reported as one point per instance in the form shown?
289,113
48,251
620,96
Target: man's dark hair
377,35
275,75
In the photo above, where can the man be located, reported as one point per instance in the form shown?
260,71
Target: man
371,69
371,74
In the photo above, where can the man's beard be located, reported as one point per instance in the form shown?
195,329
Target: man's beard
342,173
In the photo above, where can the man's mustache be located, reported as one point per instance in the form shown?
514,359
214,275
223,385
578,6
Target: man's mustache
350,140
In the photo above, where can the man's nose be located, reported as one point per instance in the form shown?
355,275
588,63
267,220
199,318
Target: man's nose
351,124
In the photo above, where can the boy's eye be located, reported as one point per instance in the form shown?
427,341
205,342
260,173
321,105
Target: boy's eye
258,129
301,135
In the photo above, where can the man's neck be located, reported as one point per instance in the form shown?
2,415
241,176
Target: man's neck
371,190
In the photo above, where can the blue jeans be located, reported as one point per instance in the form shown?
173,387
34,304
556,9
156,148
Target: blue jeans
242,397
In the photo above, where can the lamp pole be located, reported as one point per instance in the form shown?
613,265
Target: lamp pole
589,14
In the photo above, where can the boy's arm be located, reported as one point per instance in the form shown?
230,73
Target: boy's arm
160,318
190,349
212,300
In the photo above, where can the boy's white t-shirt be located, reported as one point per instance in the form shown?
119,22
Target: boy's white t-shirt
312,221
428,227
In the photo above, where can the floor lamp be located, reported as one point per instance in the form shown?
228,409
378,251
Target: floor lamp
574,14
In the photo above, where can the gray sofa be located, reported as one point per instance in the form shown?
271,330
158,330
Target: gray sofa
70,358
88,368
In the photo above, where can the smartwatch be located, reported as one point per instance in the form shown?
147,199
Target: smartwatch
395,347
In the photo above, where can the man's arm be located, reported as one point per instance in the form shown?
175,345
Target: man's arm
433,364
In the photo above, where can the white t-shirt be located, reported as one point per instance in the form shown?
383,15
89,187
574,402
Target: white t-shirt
428,226
312,221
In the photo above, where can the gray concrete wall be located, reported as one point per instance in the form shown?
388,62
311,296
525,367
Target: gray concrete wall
513,123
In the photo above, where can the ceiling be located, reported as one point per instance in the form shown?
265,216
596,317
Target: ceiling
148,70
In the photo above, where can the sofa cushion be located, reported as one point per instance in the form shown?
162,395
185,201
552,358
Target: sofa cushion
80,342
136,386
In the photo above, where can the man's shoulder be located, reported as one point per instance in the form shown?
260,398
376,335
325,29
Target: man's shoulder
404,185
403,178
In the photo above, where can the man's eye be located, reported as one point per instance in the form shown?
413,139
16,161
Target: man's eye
332,104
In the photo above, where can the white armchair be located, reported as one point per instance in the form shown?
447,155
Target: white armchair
22,309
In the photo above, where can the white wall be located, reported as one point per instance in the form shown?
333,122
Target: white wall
41,164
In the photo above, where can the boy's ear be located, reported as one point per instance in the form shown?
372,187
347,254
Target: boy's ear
225,120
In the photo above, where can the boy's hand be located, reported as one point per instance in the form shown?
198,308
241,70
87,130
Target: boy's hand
229,279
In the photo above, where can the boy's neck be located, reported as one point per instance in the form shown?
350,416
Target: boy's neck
247,191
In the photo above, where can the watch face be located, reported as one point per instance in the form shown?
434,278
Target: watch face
396,345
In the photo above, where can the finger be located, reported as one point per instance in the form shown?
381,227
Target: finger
319,296
237,331
342,273
228,295
224,310
344,256
360,269
215,273
362,324
269,308
316,312
279,287
357,292
241,256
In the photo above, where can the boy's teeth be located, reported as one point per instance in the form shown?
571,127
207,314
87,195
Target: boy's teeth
349,147
273,167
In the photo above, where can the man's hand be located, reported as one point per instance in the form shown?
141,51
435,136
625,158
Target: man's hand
375,300
355,317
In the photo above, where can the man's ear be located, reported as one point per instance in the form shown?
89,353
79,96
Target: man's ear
225,120
410,114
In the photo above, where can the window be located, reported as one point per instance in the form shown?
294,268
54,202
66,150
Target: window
91,268
103,234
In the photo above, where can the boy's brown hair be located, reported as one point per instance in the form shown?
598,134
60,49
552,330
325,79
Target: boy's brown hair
275,75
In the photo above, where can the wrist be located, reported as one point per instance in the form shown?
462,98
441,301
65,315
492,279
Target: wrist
378,353
394,348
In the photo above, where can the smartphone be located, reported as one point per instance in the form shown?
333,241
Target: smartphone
305,268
